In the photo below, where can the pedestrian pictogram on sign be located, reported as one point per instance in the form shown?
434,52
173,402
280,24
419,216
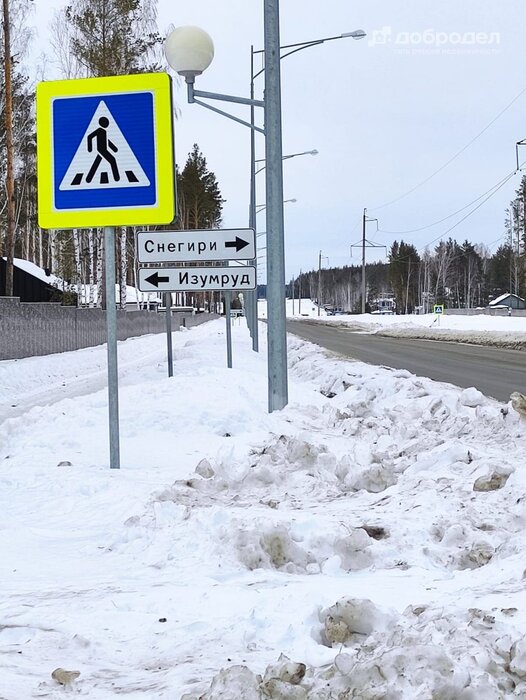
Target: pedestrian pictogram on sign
105,151
104,157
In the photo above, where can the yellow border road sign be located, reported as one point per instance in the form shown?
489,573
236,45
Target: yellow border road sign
438,309
105,152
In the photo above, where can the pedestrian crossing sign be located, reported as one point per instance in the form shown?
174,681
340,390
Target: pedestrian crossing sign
105,152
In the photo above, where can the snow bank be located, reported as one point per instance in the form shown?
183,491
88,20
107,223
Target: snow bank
365,542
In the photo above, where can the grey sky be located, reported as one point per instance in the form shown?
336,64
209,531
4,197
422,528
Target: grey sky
384,113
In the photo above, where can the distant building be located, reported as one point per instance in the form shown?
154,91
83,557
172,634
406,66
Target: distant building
31,283
507,301
384,306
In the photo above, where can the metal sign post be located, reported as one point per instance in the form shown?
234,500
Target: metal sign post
228,310
111,325
105,159
168,305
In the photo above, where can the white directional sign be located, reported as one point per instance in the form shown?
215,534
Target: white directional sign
196,245
197,279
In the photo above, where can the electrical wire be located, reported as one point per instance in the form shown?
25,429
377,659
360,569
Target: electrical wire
492,192
447,163
459,211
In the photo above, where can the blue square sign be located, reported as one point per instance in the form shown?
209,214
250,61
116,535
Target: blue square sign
105,152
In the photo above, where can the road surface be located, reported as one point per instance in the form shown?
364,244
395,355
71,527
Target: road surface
494,371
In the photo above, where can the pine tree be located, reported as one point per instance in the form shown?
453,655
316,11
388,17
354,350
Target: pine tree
199,198
403,273
114,37
15,124
108,38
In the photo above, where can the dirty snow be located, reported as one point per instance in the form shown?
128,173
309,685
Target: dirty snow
368,545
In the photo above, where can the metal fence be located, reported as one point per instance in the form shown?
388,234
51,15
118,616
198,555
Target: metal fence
28,329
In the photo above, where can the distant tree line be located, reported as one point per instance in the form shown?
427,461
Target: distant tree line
458,275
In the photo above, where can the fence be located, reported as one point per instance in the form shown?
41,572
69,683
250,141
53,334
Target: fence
488,311
28,329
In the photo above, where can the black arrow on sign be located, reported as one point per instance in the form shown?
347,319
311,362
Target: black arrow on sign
155,279
238,244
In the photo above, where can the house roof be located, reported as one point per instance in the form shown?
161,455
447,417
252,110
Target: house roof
498,300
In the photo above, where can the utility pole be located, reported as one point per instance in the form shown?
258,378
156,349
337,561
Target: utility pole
10,181
366,219
319,283
364,223
365,244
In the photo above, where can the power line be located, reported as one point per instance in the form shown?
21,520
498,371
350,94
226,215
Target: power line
441,221
493,191
445,165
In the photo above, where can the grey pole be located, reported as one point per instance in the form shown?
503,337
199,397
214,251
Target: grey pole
293,296
363,259
228,306
111,324
277,332
168,305
319,283
252,211
299,296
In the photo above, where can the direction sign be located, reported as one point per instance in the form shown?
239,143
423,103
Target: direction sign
105,151
197,279
196,245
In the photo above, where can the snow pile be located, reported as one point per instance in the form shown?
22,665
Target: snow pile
479,329
365,542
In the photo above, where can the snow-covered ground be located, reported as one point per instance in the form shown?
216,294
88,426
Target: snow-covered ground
480,329
373,532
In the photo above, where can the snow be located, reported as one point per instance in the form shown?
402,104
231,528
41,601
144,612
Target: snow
38,272
368,545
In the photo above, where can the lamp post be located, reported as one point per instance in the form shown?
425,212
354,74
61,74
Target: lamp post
189,51
282,52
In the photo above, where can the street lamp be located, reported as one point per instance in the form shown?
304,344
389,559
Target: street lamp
189,51
261,207
314,152
282,52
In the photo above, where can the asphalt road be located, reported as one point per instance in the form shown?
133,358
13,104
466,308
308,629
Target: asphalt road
494,371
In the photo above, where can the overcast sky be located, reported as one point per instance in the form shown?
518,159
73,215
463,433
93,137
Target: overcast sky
384,113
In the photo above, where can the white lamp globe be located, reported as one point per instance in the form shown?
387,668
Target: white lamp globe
189,50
